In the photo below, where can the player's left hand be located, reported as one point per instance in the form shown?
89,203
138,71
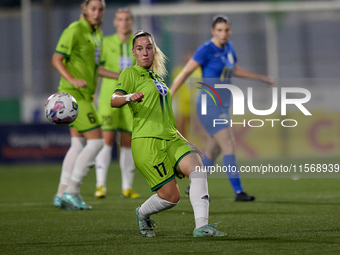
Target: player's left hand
196,149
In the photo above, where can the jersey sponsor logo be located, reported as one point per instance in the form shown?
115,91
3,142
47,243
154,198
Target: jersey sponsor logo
162,89
124,62
231,58
119,84
97,55
63,46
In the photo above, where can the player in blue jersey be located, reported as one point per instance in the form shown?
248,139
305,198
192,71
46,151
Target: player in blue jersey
218,60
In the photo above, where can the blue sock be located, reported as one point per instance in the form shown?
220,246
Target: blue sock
207,162
234,177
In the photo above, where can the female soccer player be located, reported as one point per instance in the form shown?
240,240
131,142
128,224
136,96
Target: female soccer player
117,55
77,59
217,59
159,153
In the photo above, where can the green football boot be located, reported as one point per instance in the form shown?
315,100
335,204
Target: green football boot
145,225
73,203
57,201
208,231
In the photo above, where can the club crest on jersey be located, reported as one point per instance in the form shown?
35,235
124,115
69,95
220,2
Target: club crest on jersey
231,58
162,89
124,62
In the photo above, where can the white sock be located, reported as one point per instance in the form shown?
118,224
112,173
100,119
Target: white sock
199,197
103,161
127,166
81,168
154,205
77,144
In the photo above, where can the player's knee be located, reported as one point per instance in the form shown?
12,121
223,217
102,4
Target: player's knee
213,154
176,195
169,192
228,146
171,196
175,198
230,142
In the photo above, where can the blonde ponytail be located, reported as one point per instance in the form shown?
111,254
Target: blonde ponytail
159,62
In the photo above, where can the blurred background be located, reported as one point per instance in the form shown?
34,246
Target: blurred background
296,42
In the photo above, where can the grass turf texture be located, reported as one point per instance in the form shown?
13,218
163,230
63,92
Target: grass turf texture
288,217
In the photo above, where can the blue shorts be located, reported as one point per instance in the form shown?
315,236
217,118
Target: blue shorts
213,112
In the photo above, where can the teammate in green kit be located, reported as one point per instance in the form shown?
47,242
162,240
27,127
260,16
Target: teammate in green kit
158,150
117,55
77,59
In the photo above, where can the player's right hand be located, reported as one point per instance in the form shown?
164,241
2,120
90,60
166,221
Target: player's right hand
79,83
137,97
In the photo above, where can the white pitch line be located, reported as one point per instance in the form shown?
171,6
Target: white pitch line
37,204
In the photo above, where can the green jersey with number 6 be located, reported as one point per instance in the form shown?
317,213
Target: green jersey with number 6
81,45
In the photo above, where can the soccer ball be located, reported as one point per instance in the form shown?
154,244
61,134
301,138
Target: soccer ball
61,109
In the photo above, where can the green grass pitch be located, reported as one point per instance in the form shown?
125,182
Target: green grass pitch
288,217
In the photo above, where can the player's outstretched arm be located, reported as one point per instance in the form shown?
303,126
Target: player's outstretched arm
242,73
183,75
57,62
103,72
119,99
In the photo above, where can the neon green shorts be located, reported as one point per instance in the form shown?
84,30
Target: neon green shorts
158,159
87,117
112,119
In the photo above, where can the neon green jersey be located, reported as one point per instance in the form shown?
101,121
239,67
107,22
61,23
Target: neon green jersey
154,116
117,56
81,47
